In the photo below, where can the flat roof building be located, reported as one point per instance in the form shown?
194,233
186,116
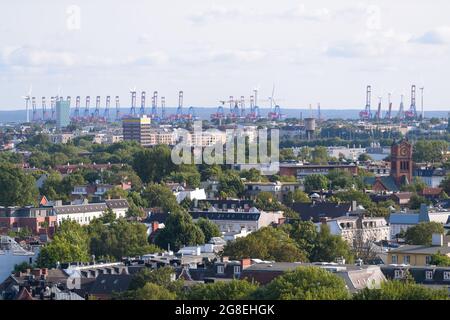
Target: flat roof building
137,129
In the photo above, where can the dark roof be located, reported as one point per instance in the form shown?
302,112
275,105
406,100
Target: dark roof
419,249
109,283
318,210
387,181
117,203
92,207
244,216
419,273
156,217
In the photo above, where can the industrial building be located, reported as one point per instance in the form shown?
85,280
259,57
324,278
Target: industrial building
137,129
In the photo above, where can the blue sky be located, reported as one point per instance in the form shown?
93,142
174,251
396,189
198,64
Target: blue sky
313,51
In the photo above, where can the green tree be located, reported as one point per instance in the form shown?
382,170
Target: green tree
440,260
429,150
297,196
159,195
305,283
445,184
421,234
416,201
319,155
401,290
150,291
268,244
222,290
16,187
231,184
161,277
316,182
152,165
70,244
364,157
330,247
209,228
179,231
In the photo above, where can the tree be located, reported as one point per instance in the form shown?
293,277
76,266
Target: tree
297,196
159,195
330,247
252,175
319,155
316,182
268,244
16,187
150,291
429,150
440,260
70,244
116,193
445,184
231,184
266,201
340,179
152,165
179,231
22,267
305,283
222,290
161,277
355,195
416,201
119,238
209,228
304,233
363,157
421,234
401,290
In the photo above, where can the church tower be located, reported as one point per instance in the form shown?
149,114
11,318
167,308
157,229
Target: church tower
401,162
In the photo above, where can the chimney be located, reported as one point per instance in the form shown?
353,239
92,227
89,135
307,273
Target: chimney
225,259
354,205
155,226
37,273
245,263
437,240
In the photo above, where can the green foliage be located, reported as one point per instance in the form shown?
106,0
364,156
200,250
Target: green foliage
149,291
268,244
252,175
70,243
159,195
355,195
341,179
305,283
401,290
179,231
222,290
266,201
330,247
297,196
364,157
441,260
16,187
231,185
421,234
22,267
417,186
152,165
429,150
416,201
118,239
445,184
316,182
320,155
161,276
209,228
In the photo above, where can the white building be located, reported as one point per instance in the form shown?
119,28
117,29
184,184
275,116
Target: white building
358,230
182,193
11,253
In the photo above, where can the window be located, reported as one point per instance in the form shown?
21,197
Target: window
446,275
406,259
237,269
220,269
428,260
394,259
398,274
428,275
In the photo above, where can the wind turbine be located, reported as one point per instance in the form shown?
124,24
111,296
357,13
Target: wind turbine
27,103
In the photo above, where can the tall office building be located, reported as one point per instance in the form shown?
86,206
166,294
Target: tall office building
62,114
137,129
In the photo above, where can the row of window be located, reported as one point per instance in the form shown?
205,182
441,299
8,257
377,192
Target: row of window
399,274
236,270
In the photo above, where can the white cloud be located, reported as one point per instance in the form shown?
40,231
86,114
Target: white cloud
215,13
149,59
34,57
437,36
304,13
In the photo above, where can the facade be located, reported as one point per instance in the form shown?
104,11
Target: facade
62,114
37,220
279,189
137,129
300,171
401,162
317,211
229,221
359,231
419,255
11,253
431,176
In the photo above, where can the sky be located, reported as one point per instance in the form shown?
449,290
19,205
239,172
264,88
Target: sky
321,51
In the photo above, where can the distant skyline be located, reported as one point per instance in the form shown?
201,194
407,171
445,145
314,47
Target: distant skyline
312,51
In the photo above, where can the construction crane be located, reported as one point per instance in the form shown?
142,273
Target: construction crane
97,108
388,115
107,106
133,102
155,105
379,109
411,114
44,109
366,113
421,103
117,108
86,107
52,107
142,108
33,106
220,114
180,104
163,108
77,108
27,104
401,111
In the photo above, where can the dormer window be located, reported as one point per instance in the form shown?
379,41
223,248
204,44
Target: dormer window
447,275
220,269
398,274
429,275
237,270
